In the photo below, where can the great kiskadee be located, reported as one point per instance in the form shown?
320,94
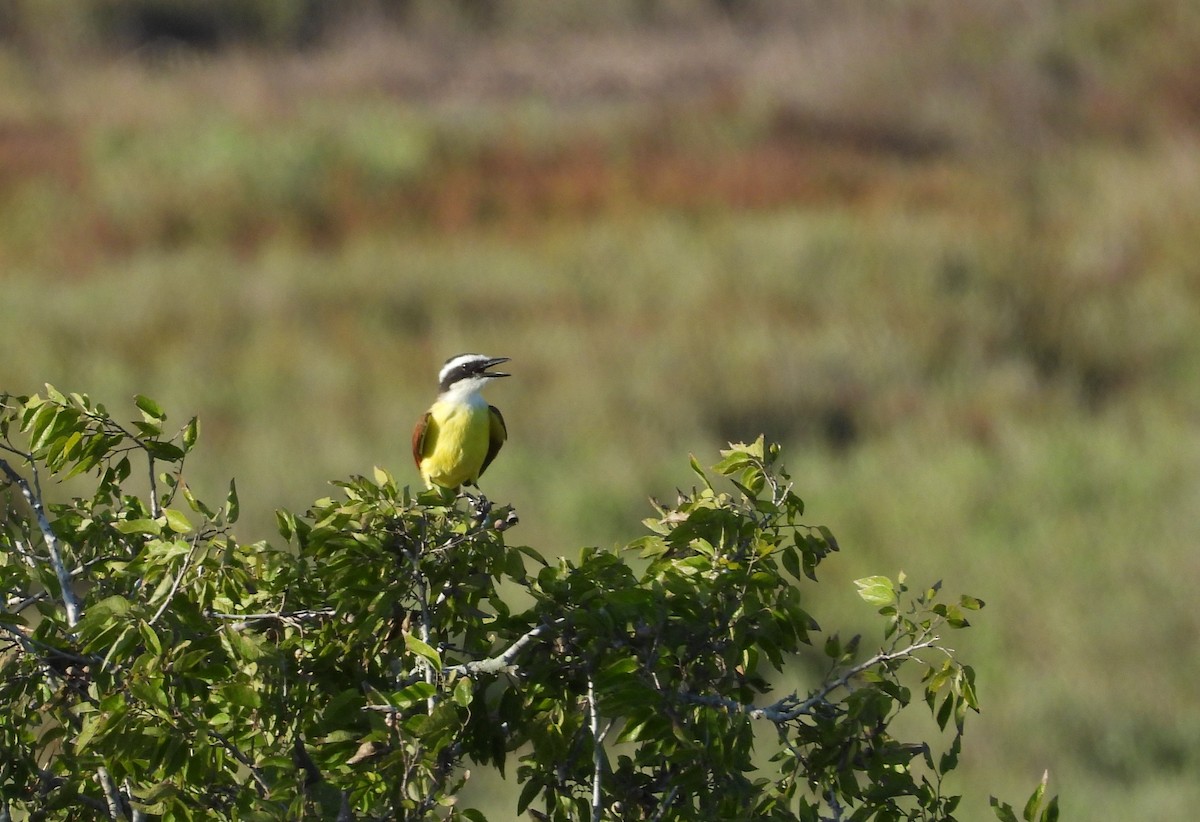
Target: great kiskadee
459,436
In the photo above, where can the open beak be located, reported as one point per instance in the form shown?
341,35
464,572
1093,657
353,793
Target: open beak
494,362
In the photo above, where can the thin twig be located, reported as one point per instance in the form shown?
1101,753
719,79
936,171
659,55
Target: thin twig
834,806
788,709
665,803
29,643
135,815
25,552
16,606
187,560
243,621
155,508
263,787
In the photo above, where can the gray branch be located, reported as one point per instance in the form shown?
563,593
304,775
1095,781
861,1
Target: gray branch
70,603
597,752
111,796
243,621
506,661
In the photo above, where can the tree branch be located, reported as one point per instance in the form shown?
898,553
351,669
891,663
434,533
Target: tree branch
135,815
425,664
111,796
70,603
243,621
790,708
665,803
155,508
505,662
597,751
16,606
30,645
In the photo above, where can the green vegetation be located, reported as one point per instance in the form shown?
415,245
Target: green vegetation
947,259
152,665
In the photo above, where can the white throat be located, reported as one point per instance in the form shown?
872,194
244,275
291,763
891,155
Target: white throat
465,392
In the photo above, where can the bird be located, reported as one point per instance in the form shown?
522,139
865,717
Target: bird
456,440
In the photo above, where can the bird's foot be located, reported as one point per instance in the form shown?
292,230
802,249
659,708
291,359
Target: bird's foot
479,505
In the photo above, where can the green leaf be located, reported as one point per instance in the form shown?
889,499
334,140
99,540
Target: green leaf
138,526
148,430
791,561
232,507
194,502
165,451
285,523
531,790
110,606
695,464
177,521
191,432
91,724
150,409
464,692
733,462
242,695
967,687
150,637
382,477
1030,813
125,642
422,649
416,693
876,590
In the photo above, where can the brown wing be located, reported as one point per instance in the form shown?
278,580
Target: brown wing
497,434
418,441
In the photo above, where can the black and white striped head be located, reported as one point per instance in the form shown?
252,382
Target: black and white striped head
467,373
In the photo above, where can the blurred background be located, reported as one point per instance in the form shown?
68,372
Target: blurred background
947,253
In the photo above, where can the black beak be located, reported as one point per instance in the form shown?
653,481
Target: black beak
494,362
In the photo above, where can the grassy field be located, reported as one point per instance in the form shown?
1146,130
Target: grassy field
949,259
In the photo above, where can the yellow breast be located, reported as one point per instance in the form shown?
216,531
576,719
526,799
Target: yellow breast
456,443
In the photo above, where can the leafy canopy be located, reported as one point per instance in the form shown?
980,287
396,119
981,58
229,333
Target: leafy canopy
153,666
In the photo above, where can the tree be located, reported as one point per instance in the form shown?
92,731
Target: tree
152,666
